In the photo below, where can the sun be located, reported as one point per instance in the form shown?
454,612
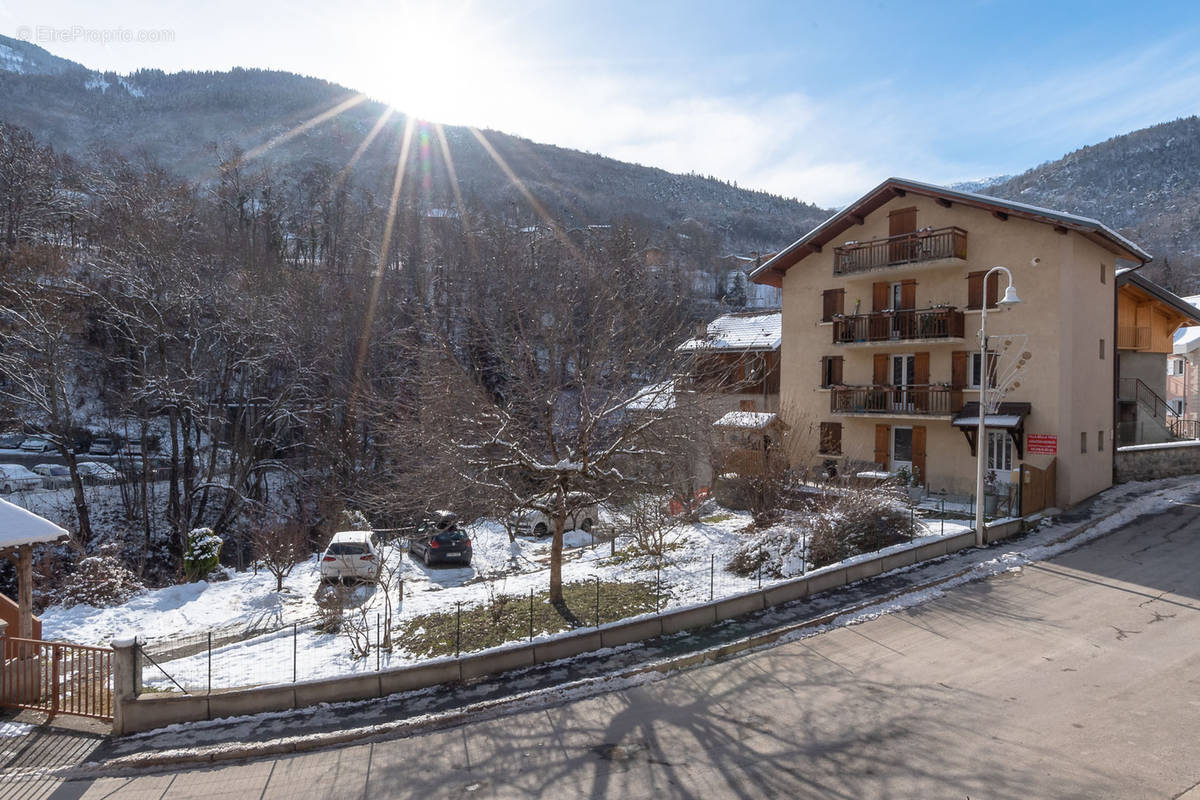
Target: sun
438,61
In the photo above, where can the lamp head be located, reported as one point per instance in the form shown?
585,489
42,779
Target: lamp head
1010,297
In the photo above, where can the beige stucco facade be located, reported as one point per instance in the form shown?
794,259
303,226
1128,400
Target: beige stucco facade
1067,313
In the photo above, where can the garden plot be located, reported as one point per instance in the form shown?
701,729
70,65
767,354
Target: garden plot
260,636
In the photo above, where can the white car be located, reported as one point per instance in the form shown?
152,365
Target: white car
15,478
102,447
350,556
583,516
98,472
36,444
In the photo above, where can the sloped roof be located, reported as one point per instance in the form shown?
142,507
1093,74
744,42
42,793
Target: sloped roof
772,271
741,332
18,526
746,420
1179,305
655,397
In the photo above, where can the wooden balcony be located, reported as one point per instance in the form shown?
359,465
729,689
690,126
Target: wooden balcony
907,248
900,326
896,401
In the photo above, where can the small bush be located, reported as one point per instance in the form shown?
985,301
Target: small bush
353,520
860,521
203,553
857,521
100,580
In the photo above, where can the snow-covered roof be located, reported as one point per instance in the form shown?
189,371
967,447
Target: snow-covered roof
1186,340
742,332
18,526
655,397
746,420
993,421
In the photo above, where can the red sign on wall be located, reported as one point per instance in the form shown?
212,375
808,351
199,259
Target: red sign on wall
1041,443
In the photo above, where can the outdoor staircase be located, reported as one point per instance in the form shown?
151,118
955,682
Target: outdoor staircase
1155,420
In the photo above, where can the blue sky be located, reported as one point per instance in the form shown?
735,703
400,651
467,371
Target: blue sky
818,101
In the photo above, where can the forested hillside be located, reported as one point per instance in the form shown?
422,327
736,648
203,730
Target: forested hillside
1145,184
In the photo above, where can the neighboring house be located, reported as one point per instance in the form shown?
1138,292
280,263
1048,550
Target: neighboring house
736,361
734,367
1148,316
880,361
1183,374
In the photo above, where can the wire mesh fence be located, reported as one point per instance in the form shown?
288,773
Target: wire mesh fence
375,627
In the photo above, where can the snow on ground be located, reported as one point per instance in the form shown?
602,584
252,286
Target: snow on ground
175,617
9,729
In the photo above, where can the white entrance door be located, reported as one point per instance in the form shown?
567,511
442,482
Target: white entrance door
1000,455
902,448
903,367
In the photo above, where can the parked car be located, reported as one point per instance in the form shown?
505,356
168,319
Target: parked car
97,472
583,516
350,556
54,476
102,447
36,444
11,441
439,539
15,478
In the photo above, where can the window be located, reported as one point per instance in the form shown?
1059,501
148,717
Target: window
975,290
999,452
833,301
976,361
831,371
1083,441
1101,349
1175,366
1100,441
1176,405
831,438
1103,274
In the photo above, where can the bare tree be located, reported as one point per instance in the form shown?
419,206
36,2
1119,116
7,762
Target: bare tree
536,398
279,547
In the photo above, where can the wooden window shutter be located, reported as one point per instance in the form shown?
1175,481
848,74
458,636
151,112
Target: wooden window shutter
908,294
831,438
881,369
901,221
835,370
958,368
918,452
993,289
882,434
879,295
975,290
833,301
921,380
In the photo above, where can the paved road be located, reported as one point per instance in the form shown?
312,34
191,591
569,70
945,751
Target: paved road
1078,677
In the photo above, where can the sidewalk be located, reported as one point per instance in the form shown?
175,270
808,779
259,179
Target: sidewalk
595,673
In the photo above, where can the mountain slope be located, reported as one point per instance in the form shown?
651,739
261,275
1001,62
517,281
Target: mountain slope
1145,184
184,120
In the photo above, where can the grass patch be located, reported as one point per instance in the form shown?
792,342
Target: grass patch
716,519
507,618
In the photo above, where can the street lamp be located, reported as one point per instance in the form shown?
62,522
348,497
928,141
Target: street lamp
1010,299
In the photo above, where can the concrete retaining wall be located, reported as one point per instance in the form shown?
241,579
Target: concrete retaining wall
1147,462
135,712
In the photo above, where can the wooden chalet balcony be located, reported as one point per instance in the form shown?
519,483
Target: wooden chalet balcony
927,400
904,325
907,248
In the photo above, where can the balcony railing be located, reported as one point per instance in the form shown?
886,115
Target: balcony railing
884,326
926,400
907,248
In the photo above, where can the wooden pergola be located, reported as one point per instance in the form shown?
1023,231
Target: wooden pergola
20,530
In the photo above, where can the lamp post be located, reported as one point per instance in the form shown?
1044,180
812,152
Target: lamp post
1010,299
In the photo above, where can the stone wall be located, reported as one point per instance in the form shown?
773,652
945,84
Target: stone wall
1145,462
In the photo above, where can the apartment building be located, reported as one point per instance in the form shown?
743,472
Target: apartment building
880,355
